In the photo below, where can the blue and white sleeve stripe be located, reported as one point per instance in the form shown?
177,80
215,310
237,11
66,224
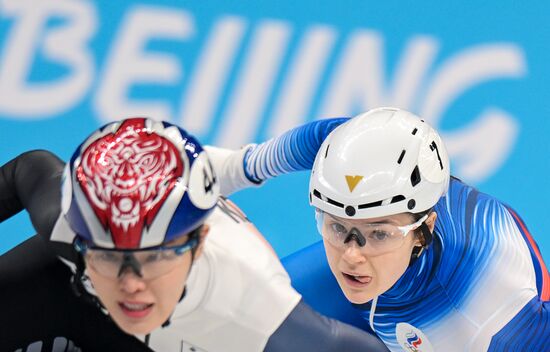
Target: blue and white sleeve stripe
295,150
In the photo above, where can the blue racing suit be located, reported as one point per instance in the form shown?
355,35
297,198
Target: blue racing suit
481,286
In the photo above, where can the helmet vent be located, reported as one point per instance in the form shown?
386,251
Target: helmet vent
370,205
414,131
395,199
401,157
326,151
317,194
398,198
333,202
415,176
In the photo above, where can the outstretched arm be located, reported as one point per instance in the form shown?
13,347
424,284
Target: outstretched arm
295,150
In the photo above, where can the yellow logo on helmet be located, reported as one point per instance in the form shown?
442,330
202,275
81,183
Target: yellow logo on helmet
353,181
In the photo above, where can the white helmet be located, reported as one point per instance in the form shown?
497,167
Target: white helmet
383,162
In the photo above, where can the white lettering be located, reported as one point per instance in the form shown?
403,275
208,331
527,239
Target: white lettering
467,69
303,79
65,44
357,82
129,63
201,98
475,151
411,72
358,85
254,84
475,159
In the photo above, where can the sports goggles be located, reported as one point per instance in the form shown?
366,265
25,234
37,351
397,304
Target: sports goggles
373,238
146,263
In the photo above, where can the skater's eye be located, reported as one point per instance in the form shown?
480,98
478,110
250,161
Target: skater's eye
378,235
338,229
107,257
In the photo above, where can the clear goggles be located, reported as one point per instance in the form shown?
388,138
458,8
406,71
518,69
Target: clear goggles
146,263
372,238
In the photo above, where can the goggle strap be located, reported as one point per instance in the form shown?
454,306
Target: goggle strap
428,235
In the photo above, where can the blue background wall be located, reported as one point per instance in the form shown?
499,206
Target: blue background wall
242,71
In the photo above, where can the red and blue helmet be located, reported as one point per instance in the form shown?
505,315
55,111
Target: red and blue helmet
138,183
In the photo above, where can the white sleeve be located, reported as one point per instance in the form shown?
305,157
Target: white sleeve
229,167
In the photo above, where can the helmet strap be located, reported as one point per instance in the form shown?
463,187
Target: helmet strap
76,279
428,236
428,239
77,283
